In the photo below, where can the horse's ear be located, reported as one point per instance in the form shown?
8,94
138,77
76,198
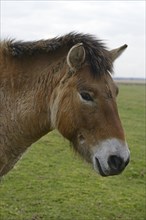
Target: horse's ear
76,56
115,53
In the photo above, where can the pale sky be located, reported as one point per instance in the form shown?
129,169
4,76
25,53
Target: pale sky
116,22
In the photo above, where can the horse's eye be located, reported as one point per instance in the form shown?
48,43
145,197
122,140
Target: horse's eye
86,96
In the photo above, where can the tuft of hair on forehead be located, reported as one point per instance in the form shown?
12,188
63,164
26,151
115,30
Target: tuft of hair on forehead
97,55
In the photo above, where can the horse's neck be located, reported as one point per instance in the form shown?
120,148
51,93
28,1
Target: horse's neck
40,73
26,87
26,111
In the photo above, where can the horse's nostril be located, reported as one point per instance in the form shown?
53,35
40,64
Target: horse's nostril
116,163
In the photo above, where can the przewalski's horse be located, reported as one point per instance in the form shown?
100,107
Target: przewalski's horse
62,83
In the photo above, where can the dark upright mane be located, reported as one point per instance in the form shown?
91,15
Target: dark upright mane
96,53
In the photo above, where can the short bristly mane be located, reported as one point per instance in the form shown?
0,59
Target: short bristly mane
96,53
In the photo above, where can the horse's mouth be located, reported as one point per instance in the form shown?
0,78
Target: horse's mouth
99,168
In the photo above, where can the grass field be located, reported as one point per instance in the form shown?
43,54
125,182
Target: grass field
50,182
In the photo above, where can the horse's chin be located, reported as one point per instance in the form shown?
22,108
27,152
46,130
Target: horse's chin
83,152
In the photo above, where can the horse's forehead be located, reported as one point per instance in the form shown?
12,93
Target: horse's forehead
102,80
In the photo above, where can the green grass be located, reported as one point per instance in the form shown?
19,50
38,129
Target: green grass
50,182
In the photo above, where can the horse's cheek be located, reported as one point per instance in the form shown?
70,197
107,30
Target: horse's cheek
66,127
65,120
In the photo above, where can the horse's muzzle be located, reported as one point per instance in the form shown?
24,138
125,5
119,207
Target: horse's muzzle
111,157
116,166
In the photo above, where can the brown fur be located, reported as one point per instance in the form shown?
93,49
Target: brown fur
38,93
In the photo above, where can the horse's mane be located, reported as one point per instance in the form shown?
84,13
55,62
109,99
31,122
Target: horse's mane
96,53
